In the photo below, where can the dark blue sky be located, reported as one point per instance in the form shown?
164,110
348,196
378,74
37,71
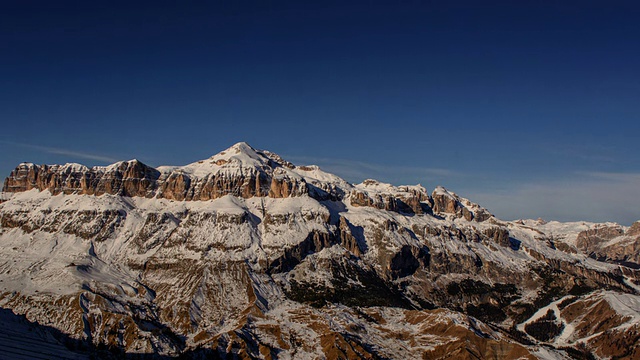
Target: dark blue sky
529,107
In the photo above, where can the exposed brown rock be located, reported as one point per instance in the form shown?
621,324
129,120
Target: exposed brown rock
411,204
283,186
175,187
136,179
347,238
590,240
315,241
625,249
130,178
634,230
498,235
445,202
23,178
220,184
383,202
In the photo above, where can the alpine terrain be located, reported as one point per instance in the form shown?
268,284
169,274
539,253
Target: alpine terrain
246,255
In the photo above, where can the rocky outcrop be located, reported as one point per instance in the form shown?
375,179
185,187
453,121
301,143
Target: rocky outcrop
217,185
130,178
634,229
284,186
175,187
383,202
498,235
446,202
127,178
292,256
611,243
590,240
592,278
351,237
135,179
401,199
269,175
22,178
406,261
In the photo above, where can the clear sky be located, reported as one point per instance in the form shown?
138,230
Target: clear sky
531,108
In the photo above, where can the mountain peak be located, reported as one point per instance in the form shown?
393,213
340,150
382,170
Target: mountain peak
238,156
241,147
240,151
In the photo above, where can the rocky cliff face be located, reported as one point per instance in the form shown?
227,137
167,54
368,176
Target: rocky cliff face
247,255
612,243
402,199
130,178
446,202
240,171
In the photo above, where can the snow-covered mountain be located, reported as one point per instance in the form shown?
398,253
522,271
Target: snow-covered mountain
247,255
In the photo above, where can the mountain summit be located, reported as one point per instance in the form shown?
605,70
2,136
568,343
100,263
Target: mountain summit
246,255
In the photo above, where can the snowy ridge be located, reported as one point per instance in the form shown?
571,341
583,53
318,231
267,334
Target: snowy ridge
238,158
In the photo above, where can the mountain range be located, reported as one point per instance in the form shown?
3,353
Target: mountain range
246,255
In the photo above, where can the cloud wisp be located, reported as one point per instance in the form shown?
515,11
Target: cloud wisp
66,152
591,153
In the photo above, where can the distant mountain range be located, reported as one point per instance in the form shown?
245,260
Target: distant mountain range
246,255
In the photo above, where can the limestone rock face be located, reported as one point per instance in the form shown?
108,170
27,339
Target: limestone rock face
127,178
591,239
23,178
283,186
401,199
352,237
634,230
498,235
175,187
446,202
384,202
218,185
611,243
239,171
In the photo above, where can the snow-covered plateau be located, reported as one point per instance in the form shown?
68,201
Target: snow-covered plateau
246,255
